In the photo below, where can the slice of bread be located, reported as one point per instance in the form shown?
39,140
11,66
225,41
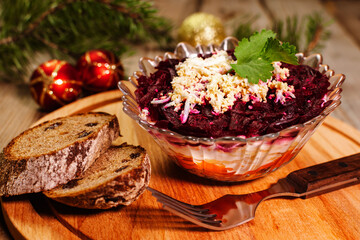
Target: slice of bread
55,152
118,177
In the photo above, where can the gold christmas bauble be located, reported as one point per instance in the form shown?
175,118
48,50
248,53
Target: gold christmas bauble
201,28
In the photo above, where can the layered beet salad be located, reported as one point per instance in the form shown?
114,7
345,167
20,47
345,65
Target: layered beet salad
204,97
255,89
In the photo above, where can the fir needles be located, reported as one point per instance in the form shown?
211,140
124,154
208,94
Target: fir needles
67,28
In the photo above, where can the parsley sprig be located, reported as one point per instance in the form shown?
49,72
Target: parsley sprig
256,55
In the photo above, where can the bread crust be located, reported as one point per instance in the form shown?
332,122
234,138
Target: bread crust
8,149
44,172
123,189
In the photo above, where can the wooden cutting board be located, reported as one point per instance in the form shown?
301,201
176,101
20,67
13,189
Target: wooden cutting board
334,215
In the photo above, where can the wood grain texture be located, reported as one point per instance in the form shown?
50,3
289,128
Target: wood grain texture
347,13
323,175
19,111
331,216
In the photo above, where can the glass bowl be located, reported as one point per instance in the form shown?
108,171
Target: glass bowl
230,159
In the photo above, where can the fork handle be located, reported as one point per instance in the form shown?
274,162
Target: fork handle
326,177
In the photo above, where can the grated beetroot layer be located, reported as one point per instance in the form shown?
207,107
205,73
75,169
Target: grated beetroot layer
263,117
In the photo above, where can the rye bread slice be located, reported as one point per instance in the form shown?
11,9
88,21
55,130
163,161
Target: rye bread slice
117,177
55,152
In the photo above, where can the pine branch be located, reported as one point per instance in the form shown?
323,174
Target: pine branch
307,33
61,6
53,45
32,26
290,30
316,32
68,28
316,37
245,29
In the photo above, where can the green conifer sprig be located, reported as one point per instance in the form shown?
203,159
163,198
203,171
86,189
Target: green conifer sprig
308,33
67,28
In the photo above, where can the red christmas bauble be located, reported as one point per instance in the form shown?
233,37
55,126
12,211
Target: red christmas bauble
54,84
99,70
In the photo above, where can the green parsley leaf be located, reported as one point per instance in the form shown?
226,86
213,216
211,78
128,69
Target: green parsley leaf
275,51
248,50
255,69
256,55
290,48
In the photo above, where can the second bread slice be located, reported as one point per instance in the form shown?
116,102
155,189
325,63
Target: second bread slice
118,177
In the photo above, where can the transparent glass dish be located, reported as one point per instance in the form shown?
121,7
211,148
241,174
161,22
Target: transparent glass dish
231,158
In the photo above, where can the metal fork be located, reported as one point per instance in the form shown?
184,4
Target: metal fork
230,211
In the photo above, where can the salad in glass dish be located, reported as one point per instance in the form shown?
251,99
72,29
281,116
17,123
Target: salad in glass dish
233,112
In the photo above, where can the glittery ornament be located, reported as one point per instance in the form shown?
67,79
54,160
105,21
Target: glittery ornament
54,84
202,28
100,70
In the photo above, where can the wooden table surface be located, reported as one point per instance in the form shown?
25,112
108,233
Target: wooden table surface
341,53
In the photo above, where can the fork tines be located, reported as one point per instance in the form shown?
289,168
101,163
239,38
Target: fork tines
193,213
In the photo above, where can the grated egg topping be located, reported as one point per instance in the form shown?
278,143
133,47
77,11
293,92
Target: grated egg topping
207,80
